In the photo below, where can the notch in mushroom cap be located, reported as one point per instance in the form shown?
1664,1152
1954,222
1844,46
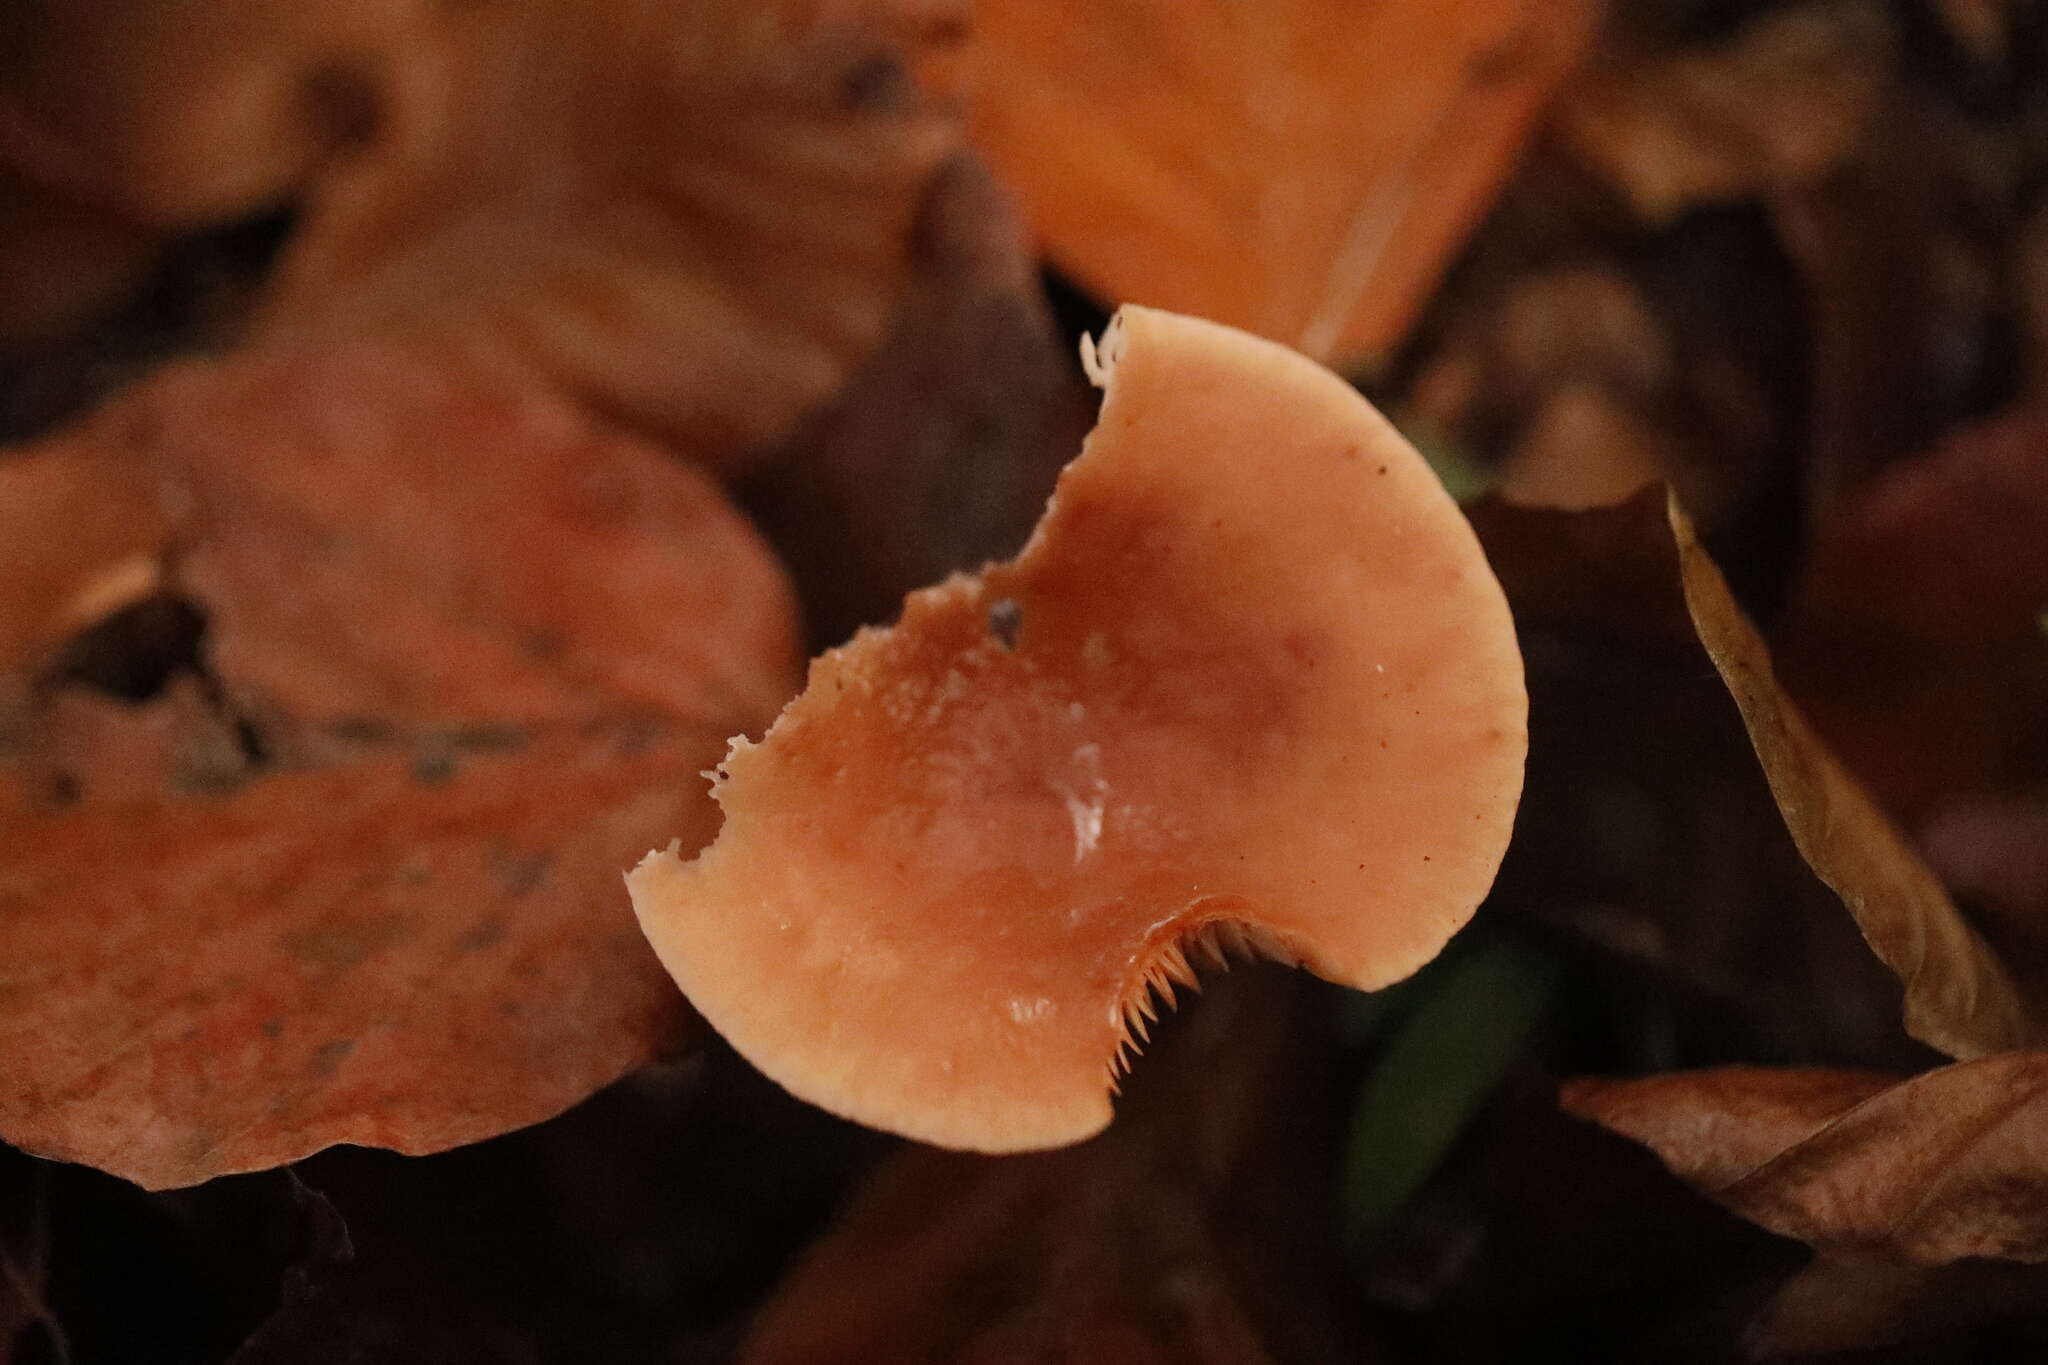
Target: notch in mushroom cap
1250,688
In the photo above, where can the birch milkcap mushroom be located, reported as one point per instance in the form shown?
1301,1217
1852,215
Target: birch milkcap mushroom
1250,689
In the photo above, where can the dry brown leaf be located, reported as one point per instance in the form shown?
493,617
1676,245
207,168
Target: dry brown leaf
690,217
390,954
1189,1232
1927,1169
1959,997
1304,170
1774,108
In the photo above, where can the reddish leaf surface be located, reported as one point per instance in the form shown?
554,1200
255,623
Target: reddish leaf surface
525,566
1929,1169
521,637
378,954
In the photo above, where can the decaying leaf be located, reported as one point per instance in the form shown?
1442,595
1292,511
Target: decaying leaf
391,953
461,555
1959,997
51,586
1190,1231
1927,1169
692,218
518,635
1302,170
1648,815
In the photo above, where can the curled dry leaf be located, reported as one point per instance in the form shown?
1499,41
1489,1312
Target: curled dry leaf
1303,170
1190,1231
445,590
958,867
1647,814
1959,996
692,218
1928,1169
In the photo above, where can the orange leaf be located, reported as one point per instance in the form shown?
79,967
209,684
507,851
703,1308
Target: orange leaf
417,948
1304,170
378,954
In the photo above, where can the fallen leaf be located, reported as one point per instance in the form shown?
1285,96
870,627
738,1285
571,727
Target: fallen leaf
413,510
1959,996
53,585
1572,379
518,636
1648,832
1190,1231
1926,1169
388,953
1302,170
692,218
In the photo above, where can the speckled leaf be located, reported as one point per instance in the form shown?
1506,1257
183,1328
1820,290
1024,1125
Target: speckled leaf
393,954
505,641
